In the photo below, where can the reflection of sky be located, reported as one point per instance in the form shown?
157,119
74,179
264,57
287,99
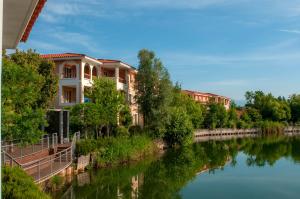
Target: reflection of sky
282,180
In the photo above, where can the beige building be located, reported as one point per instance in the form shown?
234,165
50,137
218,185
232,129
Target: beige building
205,98
76,73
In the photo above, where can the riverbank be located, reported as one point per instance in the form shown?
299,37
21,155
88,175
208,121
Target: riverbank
111,151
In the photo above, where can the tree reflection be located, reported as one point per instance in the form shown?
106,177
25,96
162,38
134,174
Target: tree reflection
165,177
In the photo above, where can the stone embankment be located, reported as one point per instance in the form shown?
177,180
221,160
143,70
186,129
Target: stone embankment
224,134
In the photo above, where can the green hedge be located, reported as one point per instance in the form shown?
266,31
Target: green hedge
18,185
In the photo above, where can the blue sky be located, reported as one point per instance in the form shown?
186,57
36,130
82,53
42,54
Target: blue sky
221,46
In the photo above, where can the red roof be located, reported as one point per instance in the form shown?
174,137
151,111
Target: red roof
32,20
65,55
109,61
200,93
62,55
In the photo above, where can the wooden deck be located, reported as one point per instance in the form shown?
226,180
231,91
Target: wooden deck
41,161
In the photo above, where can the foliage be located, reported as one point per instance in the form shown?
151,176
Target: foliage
232,116
135,130
179,128
269,107
56,182
192,108
216,116
295,108
114,150
86,146
153,91
45,68
106,103
28,88
271,128
17,184
125,117
122,131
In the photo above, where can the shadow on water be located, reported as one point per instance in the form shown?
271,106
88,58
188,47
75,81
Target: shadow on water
166,176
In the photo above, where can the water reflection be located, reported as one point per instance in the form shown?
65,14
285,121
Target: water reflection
165,177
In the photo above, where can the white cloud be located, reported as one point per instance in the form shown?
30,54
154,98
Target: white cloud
290,31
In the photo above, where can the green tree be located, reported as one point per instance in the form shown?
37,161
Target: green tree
216,116
295,108
232,116
45,68
179,129
269,107
107,103
193,109
125,116
21,117
154,90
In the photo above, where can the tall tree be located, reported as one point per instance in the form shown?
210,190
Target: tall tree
43,67
295,108
154,90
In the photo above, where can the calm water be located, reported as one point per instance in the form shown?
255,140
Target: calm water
247,168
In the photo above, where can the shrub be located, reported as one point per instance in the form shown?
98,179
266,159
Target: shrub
56,182
114,150
179,128
83,147
17,184
135,130
271,128
122,131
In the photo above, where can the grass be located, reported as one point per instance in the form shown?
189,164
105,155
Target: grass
271,128
116,150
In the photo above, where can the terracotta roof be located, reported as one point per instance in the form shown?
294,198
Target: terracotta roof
32,20
109,61
201,93
65,55
61,55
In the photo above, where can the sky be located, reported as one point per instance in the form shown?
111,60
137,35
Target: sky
225,47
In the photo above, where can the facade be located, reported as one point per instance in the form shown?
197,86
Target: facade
76,73
205,98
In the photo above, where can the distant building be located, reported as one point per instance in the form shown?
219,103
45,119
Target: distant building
205,98
76,73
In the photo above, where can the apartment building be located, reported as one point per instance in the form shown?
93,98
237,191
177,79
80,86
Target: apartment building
205,98
77,71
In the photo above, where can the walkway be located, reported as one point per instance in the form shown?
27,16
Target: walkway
42,160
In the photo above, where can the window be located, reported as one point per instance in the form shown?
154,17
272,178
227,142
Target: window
87,71
94,72
67,96
69,71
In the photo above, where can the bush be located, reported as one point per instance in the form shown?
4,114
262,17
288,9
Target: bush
83,147
17,184
179,129
56,182
135,130
271,128
114,150
122,131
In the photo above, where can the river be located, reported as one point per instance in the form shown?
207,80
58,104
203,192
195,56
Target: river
265,168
